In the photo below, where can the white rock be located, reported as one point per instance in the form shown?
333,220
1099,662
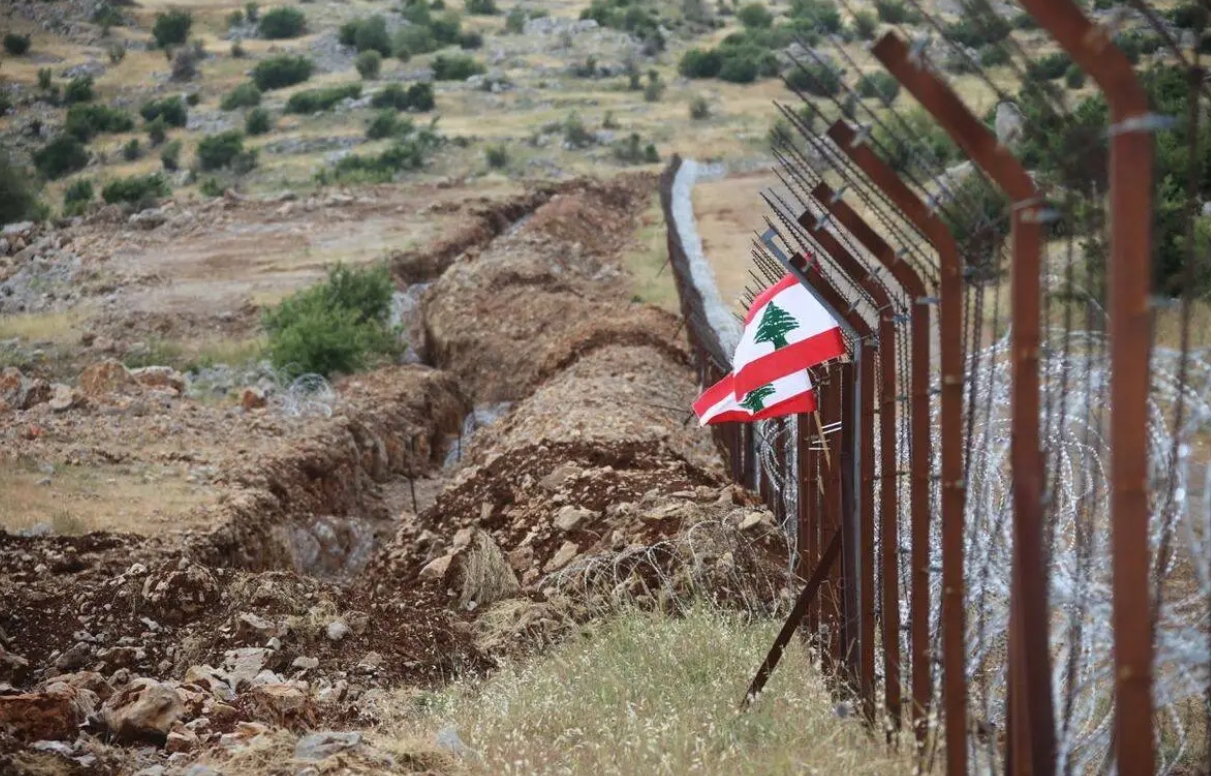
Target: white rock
337,630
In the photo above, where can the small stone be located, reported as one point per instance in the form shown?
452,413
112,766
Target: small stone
436,568
159,377
252,398
568,517
337,630
305,663
253,627
143,709
520,558
463,537
54,713
63,397
319,746
752,520
562,557
181,739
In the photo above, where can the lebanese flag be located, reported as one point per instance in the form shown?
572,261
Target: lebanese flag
789,395
786,331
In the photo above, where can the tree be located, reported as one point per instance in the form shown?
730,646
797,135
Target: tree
754,400
774,326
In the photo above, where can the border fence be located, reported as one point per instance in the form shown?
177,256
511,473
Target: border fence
1002,508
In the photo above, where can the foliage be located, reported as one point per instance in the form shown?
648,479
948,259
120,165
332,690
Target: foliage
170,156
192,99
235,18
16,44
386,123
470,40
739,70
369,64
79,89
820,15
85,122
700,109
1074,78
632,151
258,122
225,149
44,78
417,97
339,325
252,12
141,191
654,90
977,32
157,131
1050,67
413,41
995,56
171,109
918,148
411,151
630,16
481,7
237,51
281,71
980,224
185,62
497,156
245,95
78,196
105,15
131,150
211,187
700,63
515,20
282,23
815,78
866,24
172,28
575,134
879,84
896,12
455,67
116,53
1189,15
755,15
18,198
317,100
369,34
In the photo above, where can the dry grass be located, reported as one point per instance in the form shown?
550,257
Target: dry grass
54,327
651,280
644,694
79,499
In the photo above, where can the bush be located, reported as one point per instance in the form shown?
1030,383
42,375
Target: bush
457,67
84,122
386,123
700,109
481,7
258,122
895,12
338,326
515,20
131,150
739,69
16,44
575,134
170,156
820,15
654,89
192,99
222,150
79,89
755,15
172,28
211,187
185,62
918,147
282,23
370,35
410,152
413,41
246,95
235,18
142,191
116,53
281,71
417,97
447,28
609,121
975,33
107,16
171,109
866,24
815,78
1189,16
45,77
994,56
252,12
369,64
497,156
317,100
879,84
78,197
700,63
157,131
1074,78
469,41
630,151
237,51
18,199
1050,67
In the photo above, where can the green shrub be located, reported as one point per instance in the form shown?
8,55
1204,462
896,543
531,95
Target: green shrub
1024,21
131,150
755,15
879,84
447,28
481,7
654,90
16,44
700,63
918,147
281,71
1189,16
170,156
369,64
386,123
225,149
171,109
317,100
575,134
497,156
456,67
821,15
237,51
815,78
235,18
192,99
185,62
79,89
469,41
410,152
640,22
1074,77
994,56
413,41
18,199
515,20
700,109
140,191
371,35
172,28
631,151
258,122
105,15
246,95
866,24
252,12
975,33
895,12
86,121
211,187
45,77
338,326
157,131
417,97
116,53
78,197
609,121
739,69
282,23
5,103
1050,67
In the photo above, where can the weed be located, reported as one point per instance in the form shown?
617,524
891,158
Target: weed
79,89
131,150
700,109
170,156
78,196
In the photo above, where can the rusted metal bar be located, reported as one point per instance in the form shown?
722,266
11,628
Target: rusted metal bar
950,325
1129,282
1032,729
827,561
911,282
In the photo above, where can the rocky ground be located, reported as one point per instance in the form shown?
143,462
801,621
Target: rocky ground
275,614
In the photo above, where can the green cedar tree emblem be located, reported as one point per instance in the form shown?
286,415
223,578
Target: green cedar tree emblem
754,400
774,326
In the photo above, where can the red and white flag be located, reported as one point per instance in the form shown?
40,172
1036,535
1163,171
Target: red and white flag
786,331
788,395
